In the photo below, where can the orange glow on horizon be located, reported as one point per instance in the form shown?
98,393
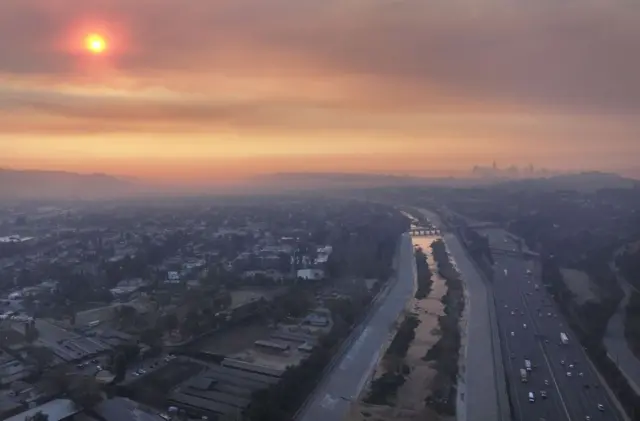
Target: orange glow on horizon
95,43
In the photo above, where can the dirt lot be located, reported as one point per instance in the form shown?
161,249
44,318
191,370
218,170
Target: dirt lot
410,399
280,360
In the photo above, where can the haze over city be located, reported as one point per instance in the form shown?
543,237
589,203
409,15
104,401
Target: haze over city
329,210
214,91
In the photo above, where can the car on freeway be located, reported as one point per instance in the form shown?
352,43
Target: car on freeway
561,362
568,374
546,382
600,407
543,393
532,397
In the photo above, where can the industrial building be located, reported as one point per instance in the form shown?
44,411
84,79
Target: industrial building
219,390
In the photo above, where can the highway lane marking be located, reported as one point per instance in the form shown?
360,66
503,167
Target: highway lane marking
604,389
517,292
514,388
546,359
583,396
553,378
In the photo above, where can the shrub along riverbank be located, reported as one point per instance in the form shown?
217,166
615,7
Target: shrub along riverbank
384,389
445,352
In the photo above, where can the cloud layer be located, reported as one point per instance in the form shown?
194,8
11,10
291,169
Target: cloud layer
439,69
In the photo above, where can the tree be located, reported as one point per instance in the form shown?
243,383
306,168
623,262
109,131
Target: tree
85,392
126,315
119,366
196,300
57,379
222,300
151,337
30,332
190,324
169,322
41,356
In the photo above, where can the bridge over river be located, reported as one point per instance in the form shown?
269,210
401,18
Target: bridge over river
421,231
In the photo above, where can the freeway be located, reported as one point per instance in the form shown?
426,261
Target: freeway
530,327
343,384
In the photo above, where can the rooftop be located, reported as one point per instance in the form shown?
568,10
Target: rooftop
56,410
123,409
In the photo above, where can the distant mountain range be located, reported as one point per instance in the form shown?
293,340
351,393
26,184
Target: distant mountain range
293,182
584,181
33,184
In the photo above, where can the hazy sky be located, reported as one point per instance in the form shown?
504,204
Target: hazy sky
214,89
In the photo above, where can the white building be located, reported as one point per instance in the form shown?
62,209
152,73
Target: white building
311,274
323,254
173,277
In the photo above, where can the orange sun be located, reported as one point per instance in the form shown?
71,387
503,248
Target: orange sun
95,43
